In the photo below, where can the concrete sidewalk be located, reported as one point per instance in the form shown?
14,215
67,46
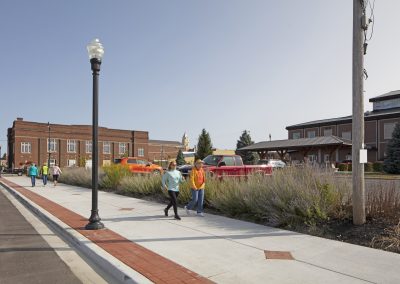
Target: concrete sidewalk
219,249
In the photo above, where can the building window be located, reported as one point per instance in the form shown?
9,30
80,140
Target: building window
296,135
106,148
26,147
348,157
312,158
88,147
52,146
346,135
140,152
71,146
122,148
310,134
52,162
327,158
328,132
388,130
71,163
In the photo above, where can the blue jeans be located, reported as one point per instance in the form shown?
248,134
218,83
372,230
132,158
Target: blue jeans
44,179
33,180
197,197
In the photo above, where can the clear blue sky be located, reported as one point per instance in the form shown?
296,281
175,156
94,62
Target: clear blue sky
175,66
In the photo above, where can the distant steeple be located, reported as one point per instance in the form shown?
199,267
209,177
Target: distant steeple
185,142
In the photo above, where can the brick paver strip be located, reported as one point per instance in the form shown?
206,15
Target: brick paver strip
151,265
286,255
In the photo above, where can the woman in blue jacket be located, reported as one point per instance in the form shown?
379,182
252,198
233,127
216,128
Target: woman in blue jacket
33,172
170,182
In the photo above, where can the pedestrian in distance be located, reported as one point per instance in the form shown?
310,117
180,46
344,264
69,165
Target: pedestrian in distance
33,172
56,174
170,182
197,180
45,173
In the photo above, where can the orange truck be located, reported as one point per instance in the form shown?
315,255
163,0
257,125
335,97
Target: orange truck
139,165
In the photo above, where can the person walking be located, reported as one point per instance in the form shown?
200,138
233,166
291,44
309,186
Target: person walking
56,173
170,182
45,173
33,172
197,182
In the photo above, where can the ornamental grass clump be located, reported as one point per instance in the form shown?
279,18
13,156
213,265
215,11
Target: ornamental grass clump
112,176
383,200
136,185
76,176
288,197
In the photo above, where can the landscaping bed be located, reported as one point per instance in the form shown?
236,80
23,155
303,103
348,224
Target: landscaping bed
307,200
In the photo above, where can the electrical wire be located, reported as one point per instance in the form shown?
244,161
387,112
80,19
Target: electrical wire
372,17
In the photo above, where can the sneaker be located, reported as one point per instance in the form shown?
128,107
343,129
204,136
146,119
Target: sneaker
166,212
177,217
200,214
187,210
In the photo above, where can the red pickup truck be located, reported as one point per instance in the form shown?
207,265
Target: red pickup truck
229,165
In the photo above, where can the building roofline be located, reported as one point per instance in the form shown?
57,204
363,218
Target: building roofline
387,96
368,116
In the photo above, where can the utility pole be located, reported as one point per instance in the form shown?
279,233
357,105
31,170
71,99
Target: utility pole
358,196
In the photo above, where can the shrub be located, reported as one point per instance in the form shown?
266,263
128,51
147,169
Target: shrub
349,167
113,174
378,167
368,167
343,167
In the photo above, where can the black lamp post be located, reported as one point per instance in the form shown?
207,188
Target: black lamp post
48,146
96,51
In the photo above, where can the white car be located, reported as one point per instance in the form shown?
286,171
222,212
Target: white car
273,163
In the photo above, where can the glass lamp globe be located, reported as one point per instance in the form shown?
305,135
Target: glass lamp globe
95,49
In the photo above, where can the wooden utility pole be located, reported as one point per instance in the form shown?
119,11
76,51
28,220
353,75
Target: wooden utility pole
358,197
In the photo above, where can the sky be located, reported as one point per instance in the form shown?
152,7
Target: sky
177,65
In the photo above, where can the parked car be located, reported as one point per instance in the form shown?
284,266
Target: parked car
276,164
229,166
139,165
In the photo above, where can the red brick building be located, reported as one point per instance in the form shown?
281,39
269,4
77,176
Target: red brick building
71,145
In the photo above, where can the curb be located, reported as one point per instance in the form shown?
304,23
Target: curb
117,270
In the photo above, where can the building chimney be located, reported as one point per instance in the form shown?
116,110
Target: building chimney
20,118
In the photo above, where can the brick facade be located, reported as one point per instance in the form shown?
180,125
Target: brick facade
377,123
27,142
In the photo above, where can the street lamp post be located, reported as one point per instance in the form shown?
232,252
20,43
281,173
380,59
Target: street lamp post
96,51
48,146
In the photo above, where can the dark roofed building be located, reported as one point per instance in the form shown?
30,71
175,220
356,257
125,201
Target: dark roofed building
305,139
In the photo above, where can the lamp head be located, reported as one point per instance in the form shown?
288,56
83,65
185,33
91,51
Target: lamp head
95,49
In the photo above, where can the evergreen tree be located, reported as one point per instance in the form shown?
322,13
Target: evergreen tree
204,146
248,157
180,159
391,164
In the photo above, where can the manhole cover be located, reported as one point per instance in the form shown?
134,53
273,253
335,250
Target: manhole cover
278,255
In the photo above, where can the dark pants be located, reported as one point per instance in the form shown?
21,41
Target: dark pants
173,201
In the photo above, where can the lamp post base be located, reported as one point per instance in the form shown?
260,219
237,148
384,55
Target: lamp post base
94,222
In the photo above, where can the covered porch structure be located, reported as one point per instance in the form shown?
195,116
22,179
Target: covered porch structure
324,149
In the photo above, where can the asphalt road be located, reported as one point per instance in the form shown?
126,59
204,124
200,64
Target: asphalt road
25,257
